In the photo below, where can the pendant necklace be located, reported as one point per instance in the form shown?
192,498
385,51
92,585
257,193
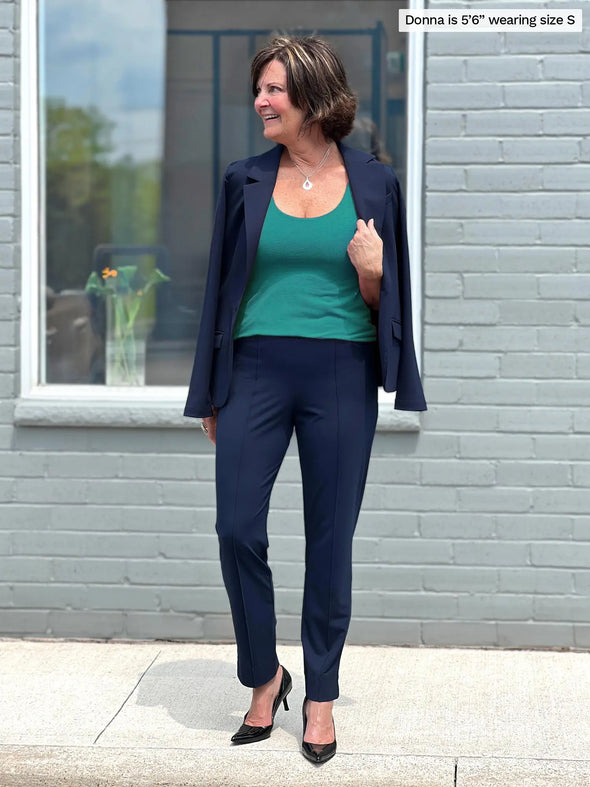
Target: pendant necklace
307,184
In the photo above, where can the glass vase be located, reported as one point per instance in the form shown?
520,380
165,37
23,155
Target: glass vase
125,350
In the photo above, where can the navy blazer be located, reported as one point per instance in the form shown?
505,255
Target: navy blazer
247,188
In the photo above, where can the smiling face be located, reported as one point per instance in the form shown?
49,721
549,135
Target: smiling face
282,121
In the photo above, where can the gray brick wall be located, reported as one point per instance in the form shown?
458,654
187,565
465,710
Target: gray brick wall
474,531
506,328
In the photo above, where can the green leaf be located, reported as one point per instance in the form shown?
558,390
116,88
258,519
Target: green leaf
125,277
156,277
95,284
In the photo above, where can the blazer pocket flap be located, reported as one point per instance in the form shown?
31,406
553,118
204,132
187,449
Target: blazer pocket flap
396,328
218,341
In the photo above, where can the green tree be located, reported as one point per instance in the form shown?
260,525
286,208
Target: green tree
91,199
77,189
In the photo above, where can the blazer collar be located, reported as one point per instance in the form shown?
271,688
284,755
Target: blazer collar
266,165
367,183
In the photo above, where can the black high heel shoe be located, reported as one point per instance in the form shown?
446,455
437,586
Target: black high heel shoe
249,734
317,752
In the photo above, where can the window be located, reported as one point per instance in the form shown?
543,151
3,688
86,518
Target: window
131,111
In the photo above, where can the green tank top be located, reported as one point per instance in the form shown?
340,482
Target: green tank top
302,282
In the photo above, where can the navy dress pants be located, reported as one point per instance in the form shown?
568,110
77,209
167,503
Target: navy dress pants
327,390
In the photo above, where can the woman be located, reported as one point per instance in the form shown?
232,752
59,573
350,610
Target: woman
306,311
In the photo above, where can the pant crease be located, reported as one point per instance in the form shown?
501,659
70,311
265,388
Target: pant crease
242,596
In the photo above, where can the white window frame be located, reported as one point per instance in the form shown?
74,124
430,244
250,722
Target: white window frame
98,405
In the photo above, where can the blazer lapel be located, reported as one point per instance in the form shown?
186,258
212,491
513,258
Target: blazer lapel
367,184
257,193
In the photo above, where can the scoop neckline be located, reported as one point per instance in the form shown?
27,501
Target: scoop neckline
311,218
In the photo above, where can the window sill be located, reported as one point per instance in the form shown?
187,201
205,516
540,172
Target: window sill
155,408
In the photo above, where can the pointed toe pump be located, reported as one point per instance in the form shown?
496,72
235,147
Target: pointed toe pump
317,752
249,734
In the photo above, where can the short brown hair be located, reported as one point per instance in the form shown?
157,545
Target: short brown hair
316,82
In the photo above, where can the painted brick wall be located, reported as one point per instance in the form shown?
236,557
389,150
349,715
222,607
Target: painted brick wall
507,332
474,530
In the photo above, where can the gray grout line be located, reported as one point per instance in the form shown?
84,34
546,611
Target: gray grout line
127,698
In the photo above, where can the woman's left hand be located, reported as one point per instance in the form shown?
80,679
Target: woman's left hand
366,251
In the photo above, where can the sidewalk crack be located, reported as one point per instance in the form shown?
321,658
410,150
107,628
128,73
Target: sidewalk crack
127,697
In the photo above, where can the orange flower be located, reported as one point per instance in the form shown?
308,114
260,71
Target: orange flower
106,272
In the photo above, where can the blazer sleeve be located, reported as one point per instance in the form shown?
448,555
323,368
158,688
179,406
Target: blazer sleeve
198,403
409,392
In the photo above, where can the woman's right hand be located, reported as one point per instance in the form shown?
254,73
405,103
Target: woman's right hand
211,426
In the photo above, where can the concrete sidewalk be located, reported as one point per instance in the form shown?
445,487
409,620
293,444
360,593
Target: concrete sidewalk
160,713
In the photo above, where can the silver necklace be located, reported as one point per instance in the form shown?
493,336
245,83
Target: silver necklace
307,184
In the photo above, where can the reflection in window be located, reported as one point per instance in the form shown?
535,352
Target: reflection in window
102,88
143,103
